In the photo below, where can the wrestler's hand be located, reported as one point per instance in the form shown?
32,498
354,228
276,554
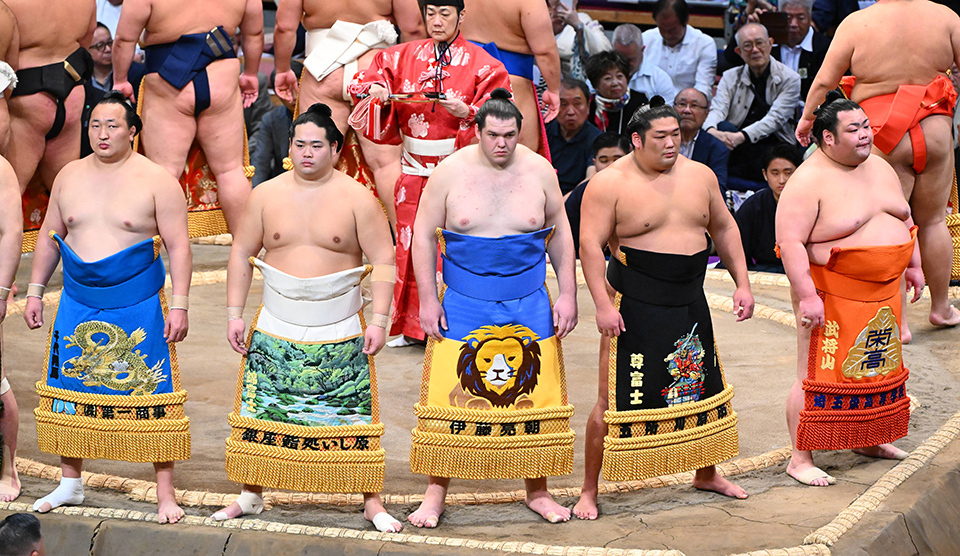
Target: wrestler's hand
565,314
380,93
914,278
249,88
175,330
811,312
743,303
236,335
285,84
551,101
432,319
373,339
124,87
456,107
609,321
804,127
33,312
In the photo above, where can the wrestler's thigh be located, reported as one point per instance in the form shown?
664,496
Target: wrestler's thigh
327,92
524,98
220,127
168,123
803,338
65,147
30,118
932,187
901,160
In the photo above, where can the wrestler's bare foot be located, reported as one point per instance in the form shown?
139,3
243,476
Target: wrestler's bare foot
809,474
167,509
374,512
951,317
544,504
905,335
430,510
169,512
883,451
707,478
586,507
10,481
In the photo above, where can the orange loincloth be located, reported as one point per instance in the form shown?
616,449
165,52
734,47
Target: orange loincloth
893,115
854,394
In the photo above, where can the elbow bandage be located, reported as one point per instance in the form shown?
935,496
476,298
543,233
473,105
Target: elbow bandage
384,273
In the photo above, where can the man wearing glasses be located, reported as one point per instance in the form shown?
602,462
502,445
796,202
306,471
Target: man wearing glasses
692,106
749,123
101,82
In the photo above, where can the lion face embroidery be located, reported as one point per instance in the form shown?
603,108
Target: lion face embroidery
499,363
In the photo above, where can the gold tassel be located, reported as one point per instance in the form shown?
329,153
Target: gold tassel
70,438
638,464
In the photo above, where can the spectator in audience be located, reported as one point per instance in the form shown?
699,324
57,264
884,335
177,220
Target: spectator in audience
578,37
805,47
101,82
644,77
607,148
271,143
570,135
20,536
756,217
614,103
108,13
748,123
827,14
696,144
688,55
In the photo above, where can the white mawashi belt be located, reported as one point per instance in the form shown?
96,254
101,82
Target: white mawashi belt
424,147
311,312
341,45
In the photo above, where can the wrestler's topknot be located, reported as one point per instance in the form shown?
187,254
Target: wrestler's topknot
828,114
319,115
500,105
129,112
643,118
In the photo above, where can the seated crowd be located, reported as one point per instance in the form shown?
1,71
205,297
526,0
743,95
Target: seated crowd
738,106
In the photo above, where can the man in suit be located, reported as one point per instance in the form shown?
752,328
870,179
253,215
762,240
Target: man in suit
696,144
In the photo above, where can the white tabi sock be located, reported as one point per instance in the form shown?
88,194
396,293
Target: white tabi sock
69,493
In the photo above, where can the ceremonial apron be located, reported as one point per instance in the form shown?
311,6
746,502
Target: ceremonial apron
112,385
669,404
306,415
854,393
493,398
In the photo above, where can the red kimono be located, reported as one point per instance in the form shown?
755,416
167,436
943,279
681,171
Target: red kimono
427,131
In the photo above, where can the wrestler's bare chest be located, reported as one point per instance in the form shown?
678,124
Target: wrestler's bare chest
496,206
666,208
315,219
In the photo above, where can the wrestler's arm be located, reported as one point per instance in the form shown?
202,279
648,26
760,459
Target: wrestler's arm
247,242
373,233
797,213
12,55
46,254
87,39
726,236
560,248
598,221
835,64
133,19
171,213
251,40
407,15
431,214
11,231
289,13
538,29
